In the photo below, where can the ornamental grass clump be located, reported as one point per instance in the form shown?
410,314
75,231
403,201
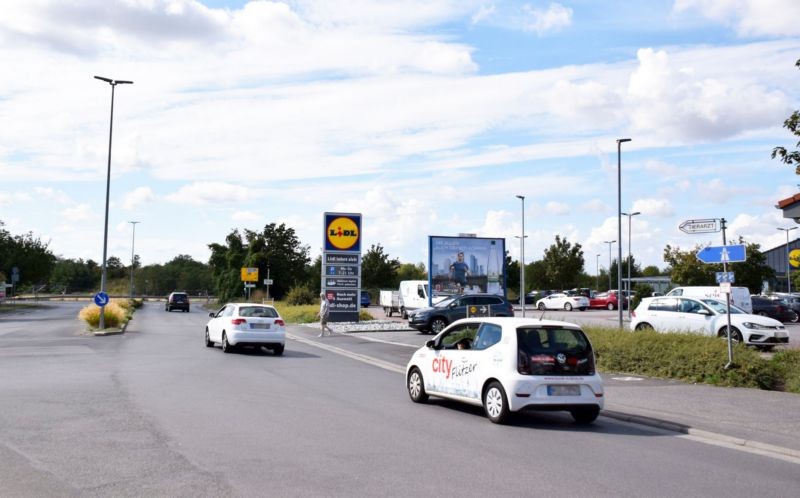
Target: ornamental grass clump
115,315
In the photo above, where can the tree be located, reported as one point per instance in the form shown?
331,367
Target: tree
536,275
71,275
410,271
651,271
754,271
378,270
563,263
686,269
792,124
29,254
635,271
512,275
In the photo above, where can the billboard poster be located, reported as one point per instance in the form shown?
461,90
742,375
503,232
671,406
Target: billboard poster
467,265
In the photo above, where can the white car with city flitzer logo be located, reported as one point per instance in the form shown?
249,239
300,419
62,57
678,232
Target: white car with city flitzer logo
509,365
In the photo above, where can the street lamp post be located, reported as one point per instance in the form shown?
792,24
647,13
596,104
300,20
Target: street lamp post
627,297
522,258
619,218
788,261
133,257
597,272
609,242
113,84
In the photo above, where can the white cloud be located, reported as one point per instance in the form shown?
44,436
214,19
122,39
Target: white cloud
654,207
51,193
80,212
484,12
7,198
137,197
542,22
246,216
676,104
557,208
200,193
748,17
719,191
761,229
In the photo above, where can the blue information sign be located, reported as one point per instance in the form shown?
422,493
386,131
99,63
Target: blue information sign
725,276
101,299
722,254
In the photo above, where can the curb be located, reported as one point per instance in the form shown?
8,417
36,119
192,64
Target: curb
769,449
119,331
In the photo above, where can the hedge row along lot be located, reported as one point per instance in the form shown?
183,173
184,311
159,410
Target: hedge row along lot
693,358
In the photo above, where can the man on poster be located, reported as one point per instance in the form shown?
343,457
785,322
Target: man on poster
459,271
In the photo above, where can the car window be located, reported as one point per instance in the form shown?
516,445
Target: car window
487,300
488,335
689,306
228,311
664,304
554,351
460,337
258,311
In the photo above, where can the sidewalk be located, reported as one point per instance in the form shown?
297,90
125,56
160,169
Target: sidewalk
747,415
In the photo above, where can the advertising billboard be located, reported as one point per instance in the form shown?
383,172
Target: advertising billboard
341,268
466,265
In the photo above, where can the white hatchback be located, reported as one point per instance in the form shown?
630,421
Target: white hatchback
509,365
246,324
563,302
707,316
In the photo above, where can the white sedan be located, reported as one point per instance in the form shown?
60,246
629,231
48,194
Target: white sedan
563,302
246,324
509,365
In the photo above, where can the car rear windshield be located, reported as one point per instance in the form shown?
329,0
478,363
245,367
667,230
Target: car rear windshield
258,311
554,351
180,298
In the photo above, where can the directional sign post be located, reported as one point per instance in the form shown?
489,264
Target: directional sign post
700,226
722,254
101,299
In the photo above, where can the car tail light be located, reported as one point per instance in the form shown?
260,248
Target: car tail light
523,365
780,309
280,322
238,321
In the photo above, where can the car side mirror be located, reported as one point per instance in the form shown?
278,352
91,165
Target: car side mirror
212,315
704,312
430,344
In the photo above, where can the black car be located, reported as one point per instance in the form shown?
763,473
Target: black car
773,308
793,301
177,301
435,319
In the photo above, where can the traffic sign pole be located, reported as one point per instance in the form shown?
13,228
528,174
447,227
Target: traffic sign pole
727,303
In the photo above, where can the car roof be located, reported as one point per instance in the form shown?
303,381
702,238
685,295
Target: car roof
253,304
516,322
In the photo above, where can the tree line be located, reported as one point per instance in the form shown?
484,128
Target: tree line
277,252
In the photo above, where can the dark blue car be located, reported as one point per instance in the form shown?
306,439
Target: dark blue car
364,299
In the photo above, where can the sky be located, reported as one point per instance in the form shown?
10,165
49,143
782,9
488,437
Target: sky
428,117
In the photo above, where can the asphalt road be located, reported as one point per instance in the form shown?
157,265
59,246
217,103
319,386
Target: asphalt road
155,413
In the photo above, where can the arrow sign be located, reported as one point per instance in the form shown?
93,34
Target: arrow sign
101,299
699,226
722,254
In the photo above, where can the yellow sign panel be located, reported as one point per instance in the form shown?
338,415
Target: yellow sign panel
794,258
342,233
249,274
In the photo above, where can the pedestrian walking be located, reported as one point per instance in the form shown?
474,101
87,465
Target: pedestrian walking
324,313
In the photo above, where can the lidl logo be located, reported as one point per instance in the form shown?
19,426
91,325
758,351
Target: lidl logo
343,233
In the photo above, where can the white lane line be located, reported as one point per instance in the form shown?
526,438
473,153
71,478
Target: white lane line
366,338
356,356
696,435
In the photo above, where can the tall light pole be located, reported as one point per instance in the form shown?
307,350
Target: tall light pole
619,219
113,84
609,242
133,258
627,297
788,261
522,258
597,272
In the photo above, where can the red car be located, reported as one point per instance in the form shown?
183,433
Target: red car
608,300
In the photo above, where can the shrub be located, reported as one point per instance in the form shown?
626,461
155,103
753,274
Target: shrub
114,315
138,303
787,363
300,295
365,315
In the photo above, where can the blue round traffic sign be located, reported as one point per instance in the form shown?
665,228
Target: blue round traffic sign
101,298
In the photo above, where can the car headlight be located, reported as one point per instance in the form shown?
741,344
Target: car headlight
751,325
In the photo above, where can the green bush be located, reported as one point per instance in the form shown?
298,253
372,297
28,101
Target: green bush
114,315
138,303
787,363
301,295
687,357
365,316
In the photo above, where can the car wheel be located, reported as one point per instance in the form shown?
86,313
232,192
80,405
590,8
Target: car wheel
541,306
585,415
582,308
278,350
567,307
644,326
736,336
226,346
387,311
437,325
209,342
610,306
416,386
495,403
795,317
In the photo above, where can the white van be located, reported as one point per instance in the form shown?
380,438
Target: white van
740,296
414,295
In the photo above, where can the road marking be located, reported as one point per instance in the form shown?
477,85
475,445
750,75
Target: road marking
696,435
627,379
367,338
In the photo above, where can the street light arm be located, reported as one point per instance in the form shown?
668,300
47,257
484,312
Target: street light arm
108,80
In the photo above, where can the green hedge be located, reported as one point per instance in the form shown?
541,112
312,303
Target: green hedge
693,358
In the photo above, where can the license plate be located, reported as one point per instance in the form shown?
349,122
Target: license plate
259,325
567,390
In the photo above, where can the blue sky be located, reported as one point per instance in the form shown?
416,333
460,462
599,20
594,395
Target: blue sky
428,117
